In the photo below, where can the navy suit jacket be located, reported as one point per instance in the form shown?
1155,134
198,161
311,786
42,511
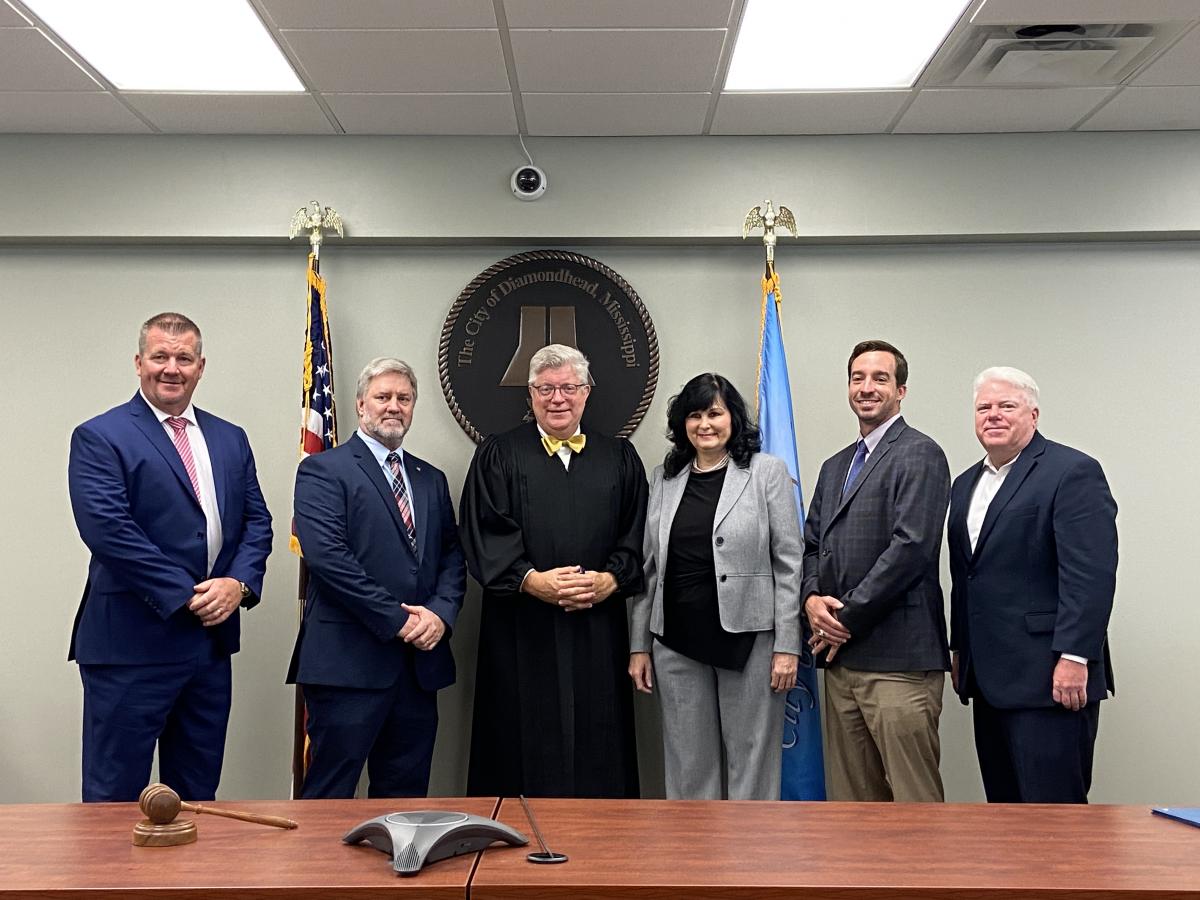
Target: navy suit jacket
1040,582
361,568
139,516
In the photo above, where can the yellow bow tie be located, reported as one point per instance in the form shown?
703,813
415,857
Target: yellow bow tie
553,445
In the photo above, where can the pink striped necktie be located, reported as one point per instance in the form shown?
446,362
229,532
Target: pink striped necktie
401,495
179,435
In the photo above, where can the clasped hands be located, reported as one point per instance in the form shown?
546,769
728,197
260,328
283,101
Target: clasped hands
570,587
828,634
423,628
215,600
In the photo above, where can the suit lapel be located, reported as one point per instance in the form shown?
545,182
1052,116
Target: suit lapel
1012,483
873,459
736,479
422,500
144,418
374,473
957,526
217,460
672,489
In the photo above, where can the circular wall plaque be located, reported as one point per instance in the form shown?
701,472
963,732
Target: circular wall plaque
518,305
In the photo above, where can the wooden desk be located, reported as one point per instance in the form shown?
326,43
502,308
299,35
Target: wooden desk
83,852
748,851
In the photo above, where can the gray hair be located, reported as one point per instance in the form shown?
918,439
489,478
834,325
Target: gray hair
170,323
385,365
552,356
1023,381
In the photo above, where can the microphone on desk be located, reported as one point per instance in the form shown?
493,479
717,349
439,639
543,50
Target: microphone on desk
547,855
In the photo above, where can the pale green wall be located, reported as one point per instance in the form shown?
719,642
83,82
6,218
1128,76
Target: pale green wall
1103,326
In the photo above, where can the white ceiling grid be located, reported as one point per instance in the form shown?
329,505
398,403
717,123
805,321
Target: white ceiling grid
616,67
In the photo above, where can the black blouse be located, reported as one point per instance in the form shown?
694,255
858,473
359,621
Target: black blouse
691,620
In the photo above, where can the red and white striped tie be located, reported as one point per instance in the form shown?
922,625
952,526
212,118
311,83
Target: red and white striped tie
401,495
179,435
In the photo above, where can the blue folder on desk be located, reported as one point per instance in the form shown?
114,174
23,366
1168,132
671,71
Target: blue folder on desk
1189,814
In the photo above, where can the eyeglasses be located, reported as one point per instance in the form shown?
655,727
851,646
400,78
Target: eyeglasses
546,391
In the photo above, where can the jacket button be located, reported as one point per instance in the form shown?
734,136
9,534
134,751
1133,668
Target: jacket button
826,552
970,576
414,570
720,541
199,534
723,577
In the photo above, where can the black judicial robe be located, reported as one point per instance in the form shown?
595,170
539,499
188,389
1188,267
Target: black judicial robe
553,702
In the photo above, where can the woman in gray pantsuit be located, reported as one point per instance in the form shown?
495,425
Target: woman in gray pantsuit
718,626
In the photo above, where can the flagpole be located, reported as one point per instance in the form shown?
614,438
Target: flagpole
803,770
315,220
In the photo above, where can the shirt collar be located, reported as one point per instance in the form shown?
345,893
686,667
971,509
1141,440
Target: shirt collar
873,439
1004,469
189,413
378,450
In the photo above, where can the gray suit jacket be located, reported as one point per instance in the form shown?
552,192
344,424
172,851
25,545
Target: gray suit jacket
877,550
756,547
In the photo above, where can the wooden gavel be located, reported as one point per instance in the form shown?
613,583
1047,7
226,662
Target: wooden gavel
161,805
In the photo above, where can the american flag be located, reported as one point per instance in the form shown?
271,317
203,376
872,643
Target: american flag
318,431
319,424
318,421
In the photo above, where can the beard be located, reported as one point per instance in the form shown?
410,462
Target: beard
390,434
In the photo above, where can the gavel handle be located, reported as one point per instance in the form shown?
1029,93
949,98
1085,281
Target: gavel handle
276,821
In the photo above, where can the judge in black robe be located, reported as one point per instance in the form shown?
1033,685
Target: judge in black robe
557,549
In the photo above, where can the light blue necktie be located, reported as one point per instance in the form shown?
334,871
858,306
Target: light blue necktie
860,457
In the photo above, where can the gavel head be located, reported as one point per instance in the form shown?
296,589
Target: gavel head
159,803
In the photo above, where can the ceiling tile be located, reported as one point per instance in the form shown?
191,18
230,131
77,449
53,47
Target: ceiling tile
615,61
381,14
1083,12
66,113
401,61
424,113
29,62
615,114
10,17
840,112
232,113
617,13
993,110
1179,65
1148,109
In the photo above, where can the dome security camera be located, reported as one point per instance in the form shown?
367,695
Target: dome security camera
528,182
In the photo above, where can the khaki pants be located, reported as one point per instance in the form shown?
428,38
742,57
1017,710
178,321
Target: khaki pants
882,734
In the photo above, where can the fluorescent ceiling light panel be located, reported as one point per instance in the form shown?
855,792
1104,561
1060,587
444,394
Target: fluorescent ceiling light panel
172,45
830,45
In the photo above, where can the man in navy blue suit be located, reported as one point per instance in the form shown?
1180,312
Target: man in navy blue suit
167,500
386,582
1033,556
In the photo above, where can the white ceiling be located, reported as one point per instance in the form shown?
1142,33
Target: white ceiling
612,67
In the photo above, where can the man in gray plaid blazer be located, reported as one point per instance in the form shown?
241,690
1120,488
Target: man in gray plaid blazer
873,602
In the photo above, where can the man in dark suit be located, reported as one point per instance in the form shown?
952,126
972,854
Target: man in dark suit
1033,559
167,500
872,597
386,582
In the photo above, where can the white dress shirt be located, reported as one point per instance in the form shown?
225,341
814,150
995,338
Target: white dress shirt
204,475
986,488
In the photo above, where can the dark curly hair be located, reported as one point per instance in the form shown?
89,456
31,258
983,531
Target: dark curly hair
697,394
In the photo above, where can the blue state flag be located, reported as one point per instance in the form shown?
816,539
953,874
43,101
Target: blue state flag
803,761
